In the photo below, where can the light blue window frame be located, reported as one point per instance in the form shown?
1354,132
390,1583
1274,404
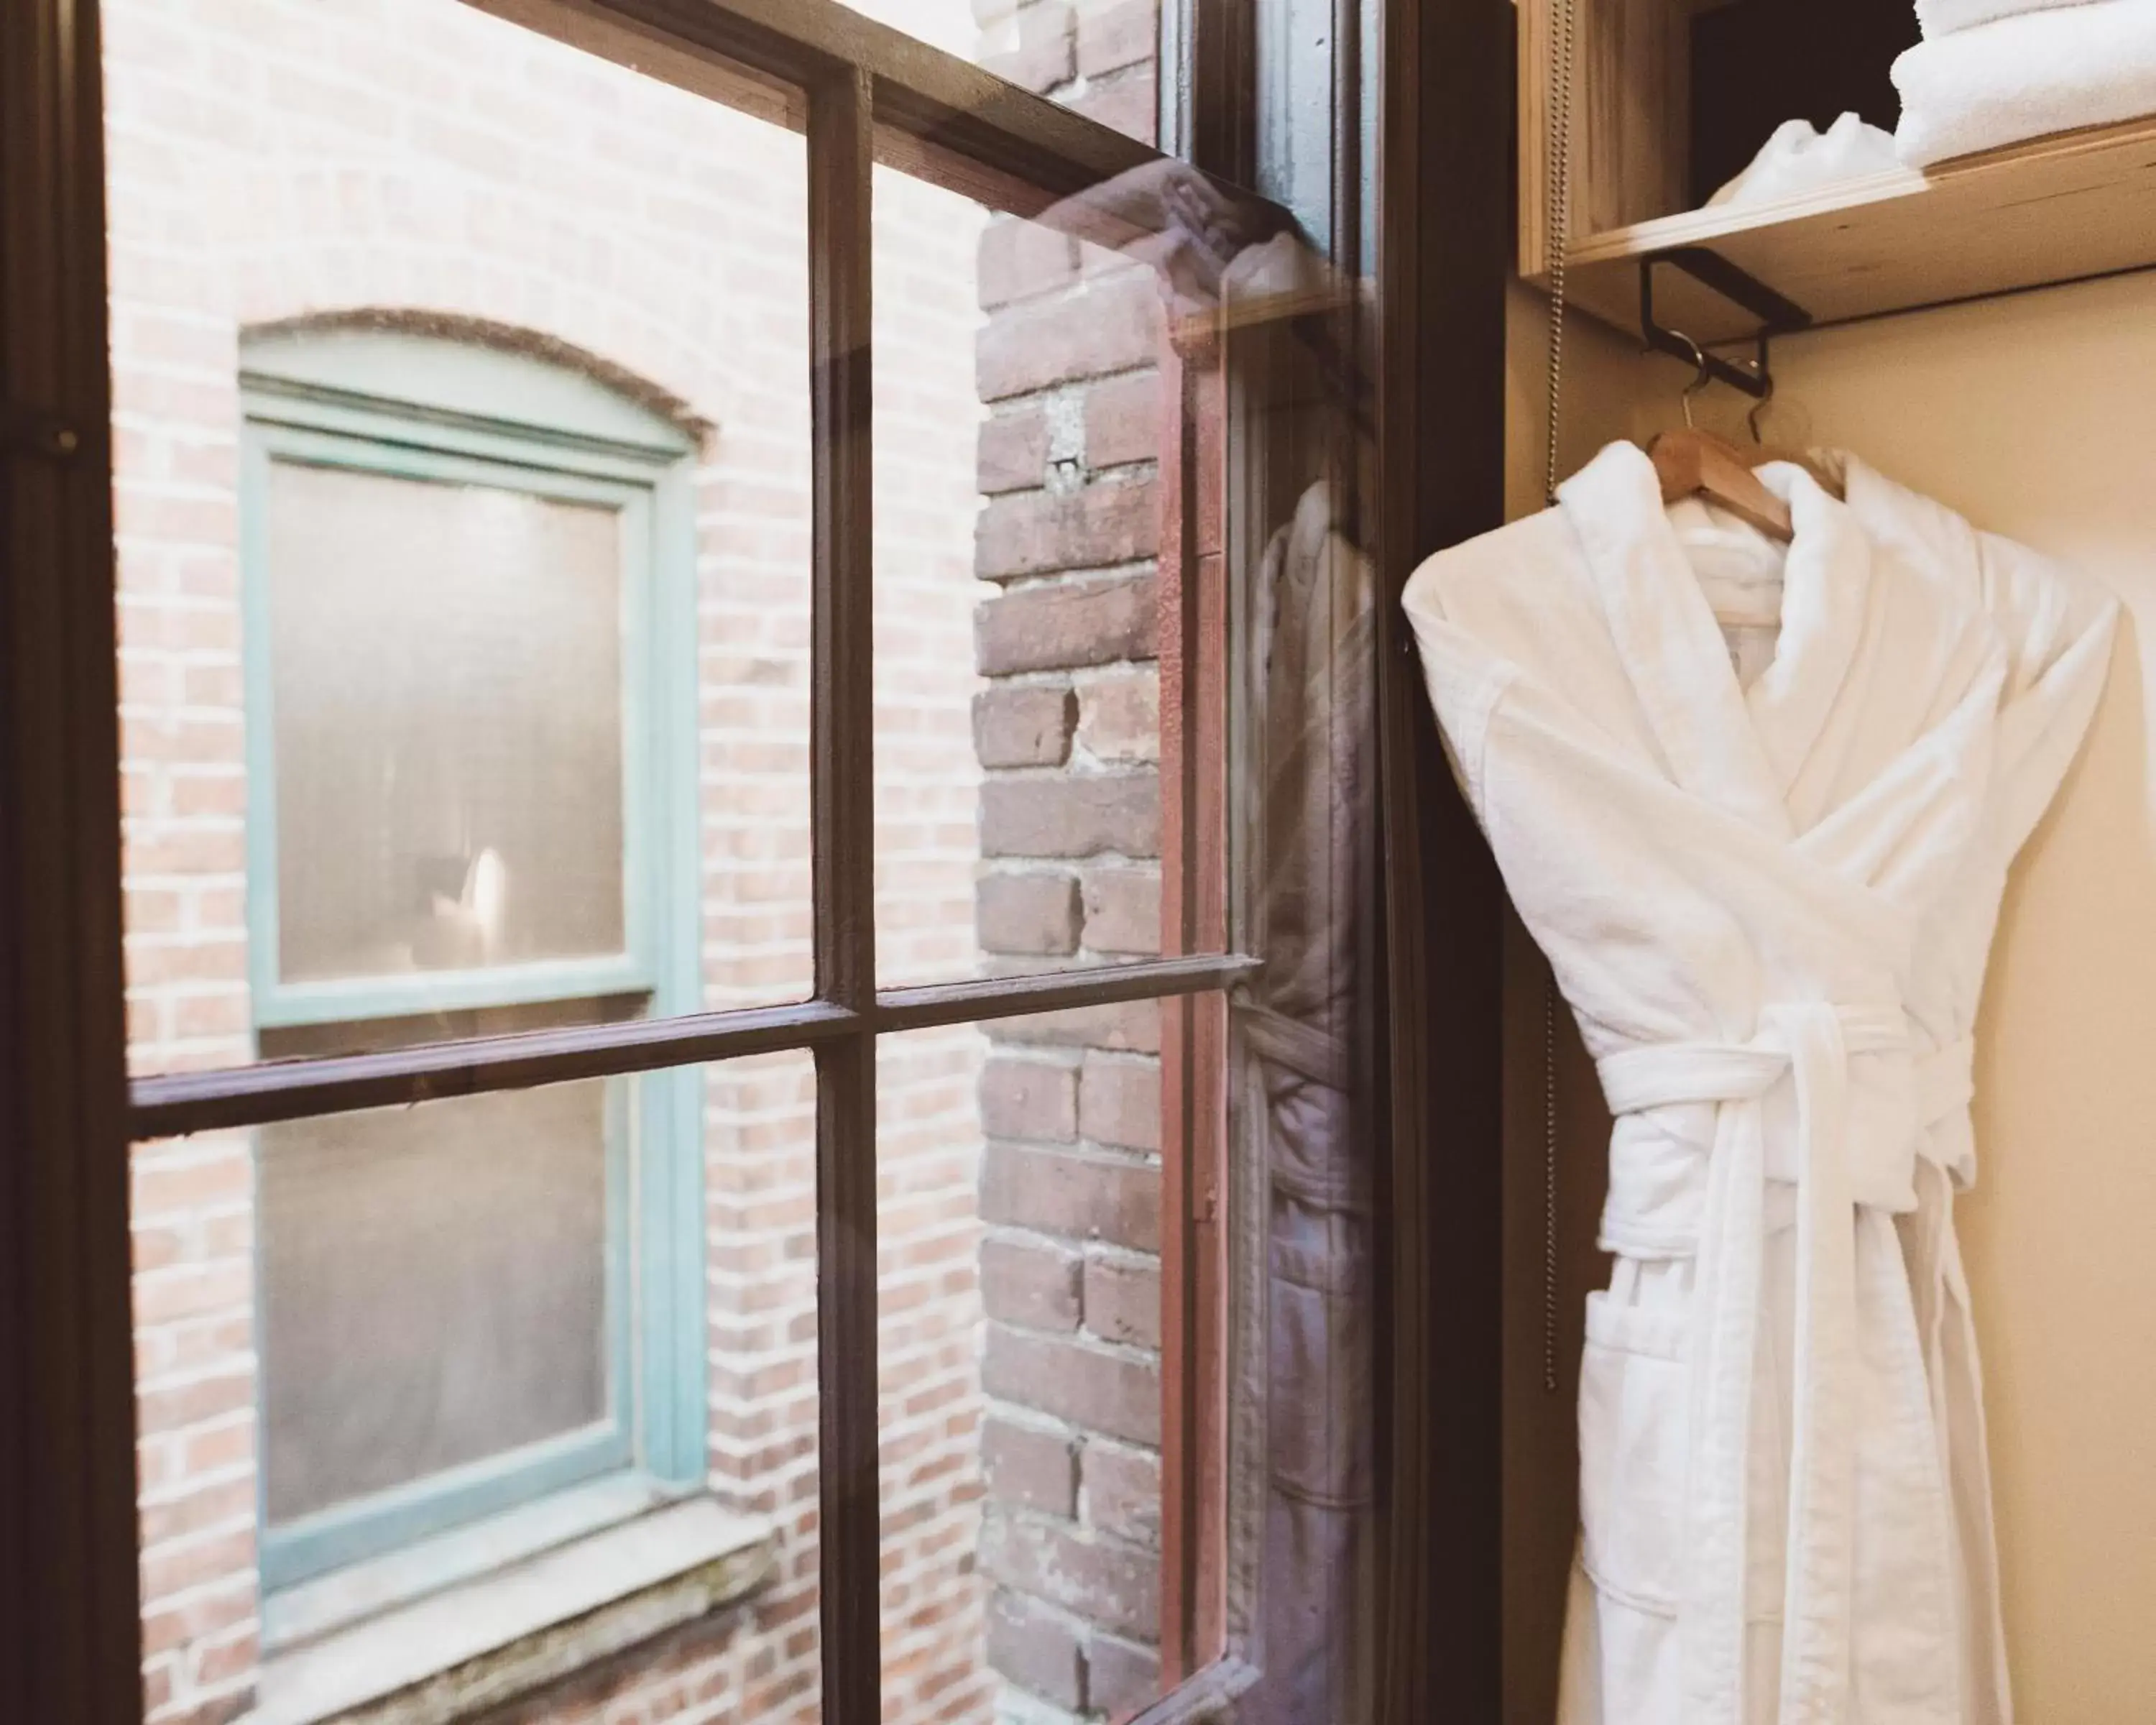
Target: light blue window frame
425,408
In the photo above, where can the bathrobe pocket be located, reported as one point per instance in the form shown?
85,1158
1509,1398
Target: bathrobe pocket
1632,1407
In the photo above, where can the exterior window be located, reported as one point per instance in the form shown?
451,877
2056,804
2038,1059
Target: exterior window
461,760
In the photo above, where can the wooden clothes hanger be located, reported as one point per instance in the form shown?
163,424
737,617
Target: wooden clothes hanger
1692,463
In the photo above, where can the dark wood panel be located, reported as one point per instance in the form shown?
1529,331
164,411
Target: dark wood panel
69,1634
1444,244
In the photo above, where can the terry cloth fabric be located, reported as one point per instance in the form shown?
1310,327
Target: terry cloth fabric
2026,77
1799,158
1943,17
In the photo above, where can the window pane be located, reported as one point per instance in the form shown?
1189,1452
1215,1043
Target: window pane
516,1366
434,1287
1100,57
1019,431
462,492
445,663
1021,1178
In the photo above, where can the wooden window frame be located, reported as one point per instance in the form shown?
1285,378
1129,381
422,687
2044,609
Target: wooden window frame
527,425
862,93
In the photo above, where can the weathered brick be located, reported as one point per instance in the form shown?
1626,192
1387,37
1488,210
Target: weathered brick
1044,55
1028,726
1101,1388
1120,1489
1011,453
1129,101
1104,1581
1071,624
1122,910
1030,1283
1028,1099
1115,35
1123,1300
1078,1196
1028,1468
1071,816
1124,419
1035,1648
1119,716
1030,913
1114,325
1041,532
1020,259
1121,1676
1129,1027
1119,1102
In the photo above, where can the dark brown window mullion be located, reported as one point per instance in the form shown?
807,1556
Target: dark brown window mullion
843,852
69,1616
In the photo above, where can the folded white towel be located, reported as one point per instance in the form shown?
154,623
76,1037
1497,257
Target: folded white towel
2026,77
1797,158
1943,17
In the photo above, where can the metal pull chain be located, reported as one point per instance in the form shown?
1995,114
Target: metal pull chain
1557,186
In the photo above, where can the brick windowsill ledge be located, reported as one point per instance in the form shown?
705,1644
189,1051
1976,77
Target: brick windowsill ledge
488,1640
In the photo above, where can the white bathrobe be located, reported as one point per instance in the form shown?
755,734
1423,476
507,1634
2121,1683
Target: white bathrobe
1766,865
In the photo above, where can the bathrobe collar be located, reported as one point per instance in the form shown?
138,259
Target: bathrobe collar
1739,750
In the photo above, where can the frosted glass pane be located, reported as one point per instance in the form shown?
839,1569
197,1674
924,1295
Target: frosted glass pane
447,686
434,1288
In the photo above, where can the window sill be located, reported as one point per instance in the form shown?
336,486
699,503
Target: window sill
472,1646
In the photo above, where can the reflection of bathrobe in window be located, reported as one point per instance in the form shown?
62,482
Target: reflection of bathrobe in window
1766,868
1308,699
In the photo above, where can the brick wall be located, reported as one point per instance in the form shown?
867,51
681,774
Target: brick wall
274,159
1067,732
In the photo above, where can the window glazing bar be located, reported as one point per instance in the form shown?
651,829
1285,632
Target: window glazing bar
169,1106
842,851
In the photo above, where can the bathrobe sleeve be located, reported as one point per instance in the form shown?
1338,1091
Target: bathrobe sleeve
2057,625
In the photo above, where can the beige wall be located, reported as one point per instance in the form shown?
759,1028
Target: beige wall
2034,416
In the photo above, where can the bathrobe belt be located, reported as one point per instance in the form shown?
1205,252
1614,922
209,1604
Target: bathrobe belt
1812,1042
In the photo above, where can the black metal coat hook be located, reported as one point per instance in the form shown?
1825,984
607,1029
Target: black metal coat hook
1777,316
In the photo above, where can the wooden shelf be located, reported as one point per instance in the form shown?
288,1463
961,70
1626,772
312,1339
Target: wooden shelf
2056,209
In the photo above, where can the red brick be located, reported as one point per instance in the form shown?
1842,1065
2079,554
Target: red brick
1130,102
1101,1388
1012,451
1121,1676
1113,35
1124,418
1078,1196
1042,532
1071,816
1021,260
1028,1099
1119,1102
1029,1469
1121,1491
1029,725
1105,1581
1123,1301
1130,1027
1044,56
1035,1648
1030,1283
1122,910
1119,717
1033,914
1114,325
1070,624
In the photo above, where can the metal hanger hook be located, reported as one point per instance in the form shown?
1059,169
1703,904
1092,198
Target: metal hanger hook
1702,376
1758,408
